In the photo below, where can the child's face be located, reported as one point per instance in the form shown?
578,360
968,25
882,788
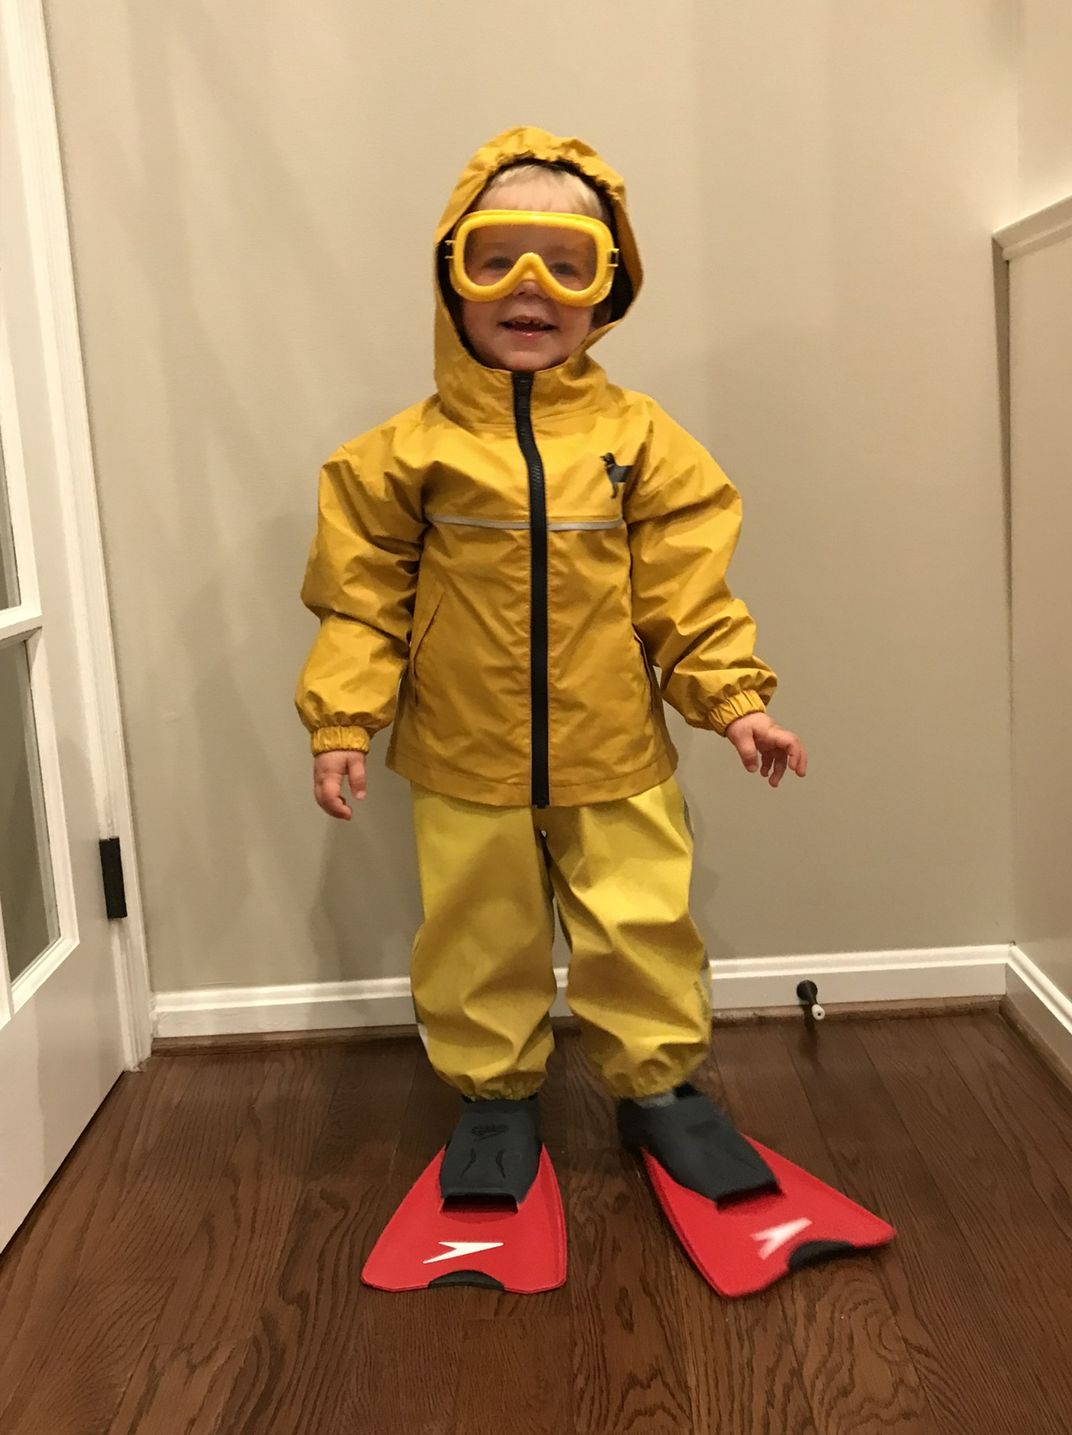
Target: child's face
525,330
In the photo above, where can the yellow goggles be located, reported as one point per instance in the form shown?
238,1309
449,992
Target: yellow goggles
571,256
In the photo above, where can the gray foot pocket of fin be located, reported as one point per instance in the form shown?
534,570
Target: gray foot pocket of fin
467,1278
812,1252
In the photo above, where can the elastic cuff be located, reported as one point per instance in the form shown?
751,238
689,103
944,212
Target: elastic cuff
740,705
499,1091
338,739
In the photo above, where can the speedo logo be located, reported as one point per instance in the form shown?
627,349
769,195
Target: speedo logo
461,1248
775,1237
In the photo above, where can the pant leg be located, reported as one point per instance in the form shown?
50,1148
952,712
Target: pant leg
637,983
482,974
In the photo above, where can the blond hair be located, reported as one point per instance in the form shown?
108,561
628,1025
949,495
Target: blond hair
560,187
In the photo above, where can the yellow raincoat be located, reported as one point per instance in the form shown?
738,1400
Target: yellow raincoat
502,568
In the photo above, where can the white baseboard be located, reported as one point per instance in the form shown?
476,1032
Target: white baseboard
305,1006
742,984
1041,1007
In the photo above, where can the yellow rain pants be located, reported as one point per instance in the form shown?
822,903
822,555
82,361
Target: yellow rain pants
483,981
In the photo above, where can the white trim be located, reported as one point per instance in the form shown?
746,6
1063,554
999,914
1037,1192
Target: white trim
919,974
1041,1006
1046,226
35,127
753,983
17,624
29,982
312,1006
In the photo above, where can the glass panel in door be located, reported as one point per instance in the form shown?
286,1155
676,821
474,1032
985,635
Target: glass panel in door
9,581
27,894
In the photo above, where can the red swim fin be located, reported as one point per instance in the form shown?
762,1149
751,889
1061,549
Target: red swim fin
427,1242
741,1246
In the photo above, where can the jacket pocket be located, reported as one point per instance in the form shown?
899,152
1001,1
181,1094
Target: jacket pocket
649,672
422,627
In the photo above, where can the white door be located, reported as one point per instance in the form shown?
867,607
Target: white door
73,1000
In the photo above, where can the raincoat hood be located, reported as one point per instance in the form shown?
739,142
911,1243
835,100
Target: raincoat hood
467,387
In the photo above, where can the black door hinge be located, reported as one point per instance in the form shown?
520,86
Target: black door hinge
115,892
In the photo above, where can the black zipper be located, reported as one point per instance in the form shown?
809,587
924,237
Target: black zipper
541,778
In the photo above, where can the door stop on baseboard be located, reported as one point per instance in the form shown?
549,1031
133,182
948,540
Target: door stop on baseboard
808,994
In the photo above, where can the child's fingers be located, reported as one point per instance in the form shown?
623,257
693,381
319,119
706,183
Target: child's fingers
358,779
779,766
792,751
328,792
749,755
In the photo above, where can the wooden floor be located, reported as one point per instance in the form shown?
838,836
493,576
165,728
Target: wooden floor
193,1269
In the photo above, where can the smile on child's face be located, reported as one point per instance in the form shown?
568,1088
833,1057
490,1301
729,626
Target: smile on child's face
525,330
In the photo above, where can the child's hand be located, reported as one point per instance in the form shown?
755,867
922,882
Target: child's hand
756,735
330,770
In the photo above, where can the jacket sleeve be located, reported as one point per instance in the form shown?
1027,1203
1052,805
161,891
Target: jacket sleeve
360,581
684,520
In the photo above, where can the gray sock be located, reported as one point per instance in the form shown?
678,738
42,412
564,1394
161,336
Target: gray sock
661,1098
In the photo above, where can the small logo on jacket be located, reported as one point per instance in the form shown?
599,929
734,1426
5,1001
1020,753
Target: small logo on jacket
616,472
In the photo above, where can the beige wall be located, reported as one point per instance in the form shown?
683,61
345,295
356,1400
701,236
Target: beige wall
252,190
1045,160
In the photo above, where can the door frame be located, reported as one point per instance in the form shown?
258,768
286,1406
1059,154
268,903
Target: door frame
36,139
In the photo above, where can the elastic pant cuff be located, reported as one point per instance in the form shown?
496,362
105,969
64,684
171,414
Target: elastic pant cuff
497,1091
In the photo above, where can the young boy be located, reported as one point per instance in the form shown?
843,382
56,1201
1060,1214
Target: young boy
511,560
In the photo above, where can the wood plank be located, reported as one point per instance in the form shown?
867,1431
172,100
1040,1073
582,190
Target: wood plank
1037,1041
179,1390
630,1375
224,1272
741,1366
40,1267
171,1184
511,1377
96,1342
298,1364
1029,1108
588,1112
130,1255
991,1195
857,1372
969,1355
